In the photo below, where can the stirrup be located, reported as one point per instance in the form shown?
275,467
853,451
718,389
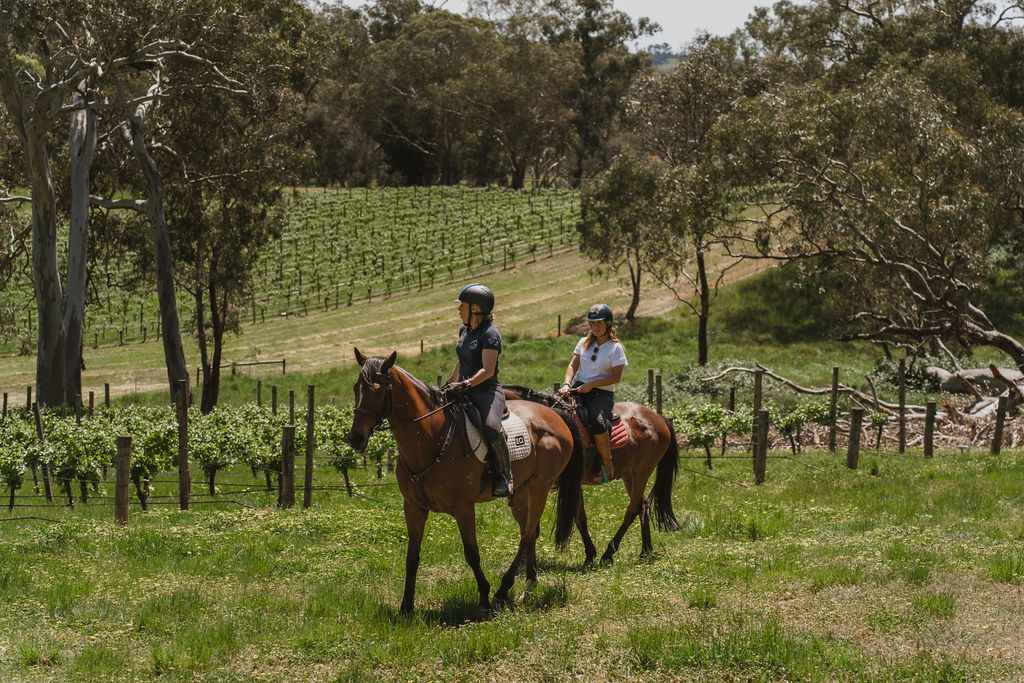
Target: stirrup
502,487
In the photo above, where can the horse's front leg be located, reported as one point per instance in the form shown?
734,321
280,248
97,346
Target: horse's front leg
415,520
466,519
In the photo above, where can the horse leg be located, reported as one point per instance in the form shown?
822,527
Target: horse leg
588,543
636,501
531,570
647,549
527,536
466,519
415,520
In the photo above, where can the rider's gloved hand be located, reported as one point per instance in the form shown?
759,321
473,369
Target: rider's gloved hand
453,389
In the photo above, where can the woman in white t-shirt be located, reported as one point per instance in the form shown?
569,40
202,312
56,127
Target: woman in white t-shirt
596,366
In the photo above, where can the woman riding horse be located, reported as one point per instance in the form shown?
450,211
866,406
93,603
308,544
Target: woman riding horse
436,472
476,374
597,363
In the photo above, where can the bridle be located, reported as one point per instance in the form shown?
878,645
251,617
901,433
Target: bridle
416,478
388,403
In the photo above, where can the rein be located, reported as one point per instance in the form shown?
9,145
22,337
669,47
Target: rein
389,399
415,477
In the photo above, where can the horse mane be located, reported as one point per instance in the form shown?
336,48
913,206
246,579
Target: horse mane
543,397
372,366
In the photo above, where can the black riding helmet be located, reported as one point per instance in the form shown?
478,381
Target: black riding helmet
599,312
480,295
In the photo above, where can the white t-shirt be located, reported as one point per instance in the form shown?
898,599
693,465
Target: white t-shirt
598,364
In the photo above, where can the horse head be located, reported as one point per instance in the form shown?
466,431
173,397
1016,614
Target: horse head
372,398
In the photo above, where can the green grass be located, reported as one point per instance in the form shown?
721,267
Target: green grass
816,575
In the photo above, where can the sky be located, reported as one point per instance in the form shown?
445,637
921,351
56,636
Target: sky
680,20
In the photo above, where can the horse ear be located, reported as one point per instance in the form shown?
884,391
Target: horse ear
360,358
386,367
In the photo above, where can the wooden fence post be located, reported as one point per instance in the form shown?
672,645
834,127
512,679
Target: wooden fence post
833,415
657,384
43,464
28,397
558,332
650,386
286,482
106,395
259,393
761,447
92,402
124,468
903,405
929,429
853,448
291,407
997,437
307,492
5,405
273,399
184,476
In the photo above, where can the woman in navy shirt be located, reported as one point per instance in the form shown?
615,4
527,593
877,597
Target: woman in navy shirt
597,364
476,373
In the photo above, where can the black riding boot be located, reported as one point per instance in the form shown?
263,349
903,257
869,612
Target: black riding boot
502,486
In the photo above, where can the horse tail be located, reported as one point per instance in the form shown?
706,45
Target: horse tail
570,489
661,493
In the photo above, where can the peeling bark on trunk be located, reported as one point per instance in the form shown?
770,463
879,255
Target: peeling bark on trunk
32,125
174,353
83,144
46,276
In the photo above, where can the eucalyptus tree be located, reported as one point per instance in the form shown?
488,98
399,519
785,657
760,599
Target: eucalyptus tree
883,188
519,97
38,73
600,36
622,224
409,94
224,198
343,150
670,117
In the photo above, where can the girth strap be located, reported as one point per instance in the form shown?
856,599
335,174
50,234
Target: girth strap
417,477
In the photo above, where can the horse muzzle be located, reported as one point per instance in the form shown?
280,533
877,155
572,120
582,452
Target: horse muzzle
358,440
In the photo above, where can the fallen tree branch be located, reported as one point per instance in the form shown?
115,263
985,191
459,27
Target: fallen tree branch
842,389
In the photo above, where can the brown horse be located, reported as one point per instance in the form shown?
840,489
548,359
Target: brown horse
437,474
652,447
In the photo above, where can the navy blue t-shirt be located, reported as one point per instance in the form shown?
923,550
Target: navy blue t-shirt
470,350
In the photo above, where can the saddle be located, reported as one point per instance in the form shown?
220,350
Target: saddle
517,436
619,436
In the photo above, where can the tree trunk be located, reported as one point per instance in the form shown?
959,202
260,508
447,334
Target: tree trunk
174,353
82,140
634,280
31,126
705,308
211,385
45,274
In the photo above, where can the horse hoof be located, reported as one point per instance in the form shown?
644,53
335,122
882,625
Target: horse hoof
531,585
607,561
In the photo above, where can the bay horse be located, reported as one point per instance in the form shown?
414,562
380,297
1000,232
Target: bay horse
437,473
652,447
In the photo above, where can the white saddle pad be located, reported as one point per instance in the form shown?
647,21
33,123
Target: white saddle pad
517,436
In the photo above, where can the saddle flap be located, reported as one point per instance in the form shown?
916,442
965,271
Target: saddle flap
517,436
618,438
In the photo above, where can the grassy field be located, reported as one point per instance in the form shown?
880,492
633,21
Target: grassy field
904,570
